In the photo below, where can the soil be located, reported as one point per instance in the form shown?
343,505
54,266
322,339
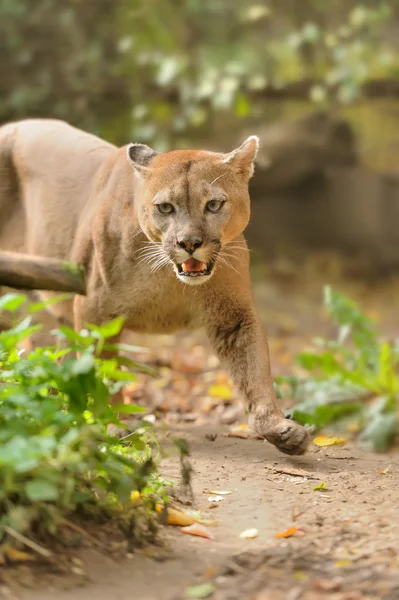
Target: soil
347,538
344,543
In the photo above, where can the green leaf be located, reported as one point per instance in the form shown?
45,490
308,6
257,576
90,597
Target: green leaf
83,365
108,330
128,409
204,590
100,395
12,302
300,417
72,335
380,432
40,490
311,32
325,414
321,486
125,348
33,308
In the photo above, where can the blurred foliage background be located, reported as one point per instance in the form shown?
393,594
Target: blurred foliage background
170,72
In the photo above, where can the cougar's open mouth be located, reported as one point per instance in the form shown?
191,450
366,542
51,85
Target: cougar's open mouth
195,268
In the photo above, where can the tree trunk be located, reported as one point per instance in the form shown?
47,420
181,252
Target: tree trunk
37,273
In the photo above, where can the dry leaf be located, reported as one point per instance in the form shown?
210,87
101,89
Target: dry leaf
211,522
354,427
240,427
243,435
385,471
222,391
249,534
325,440
342,563
291,471
300,576
218,493
176,517
14,555
198,530
326,585
288,533
204,590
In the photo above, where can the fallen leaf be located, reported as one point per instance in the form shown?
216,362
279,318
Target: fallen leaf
325,440
240,427
342,563
326,585
288,533
218,493
385,471
354,427
243,435
222,391
215,498
322,486
213,505
207,522
204,590
210,572
177,517
197,530
300,576
290,471
249,534
14,555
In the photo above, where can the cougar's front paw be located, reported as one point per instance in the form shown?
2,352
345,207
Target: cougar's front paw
289,437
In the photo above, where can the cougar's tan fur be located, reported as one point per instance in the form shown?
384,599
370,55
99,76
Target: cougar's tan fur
70,195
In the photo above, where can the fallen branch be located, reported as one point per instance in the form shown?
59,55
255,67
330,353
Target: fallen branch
27,542
37,273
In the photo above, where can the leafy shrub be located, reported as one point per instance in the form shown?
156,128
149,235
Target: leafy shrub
352,378
55,453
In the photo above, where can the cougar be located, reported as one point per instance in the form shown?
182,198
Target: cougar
160,236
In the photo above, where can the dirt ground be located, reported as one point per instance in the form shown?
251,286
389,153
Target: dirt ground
346,546
345,536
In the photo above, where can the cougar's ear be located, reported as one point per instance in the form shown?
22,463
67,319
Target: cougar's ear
242,159
140,157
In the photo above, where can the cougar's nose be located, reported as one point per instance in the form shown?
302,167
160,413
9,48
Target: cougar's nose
190,245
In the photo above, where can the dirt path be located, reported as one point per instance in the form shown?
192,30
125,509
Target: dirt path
348,536
347,545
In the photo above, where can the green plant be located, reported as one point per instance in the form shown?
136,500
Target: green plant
343,58
166,71
55,453
354,376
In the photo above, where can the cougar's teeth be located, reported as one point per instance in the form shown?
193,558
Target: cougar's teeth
193,266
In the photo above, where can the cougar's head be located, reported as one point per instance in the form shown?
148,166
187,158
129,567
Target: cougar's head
191,203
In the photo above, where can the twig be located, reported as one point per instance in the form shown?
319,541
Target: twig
84,533
24,540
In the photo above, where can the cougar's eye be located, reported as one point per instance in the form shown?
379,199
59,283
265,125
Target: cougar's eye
165,208
214,205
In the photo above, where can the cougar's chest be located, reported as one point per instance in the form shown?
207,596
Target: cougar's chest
159,303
